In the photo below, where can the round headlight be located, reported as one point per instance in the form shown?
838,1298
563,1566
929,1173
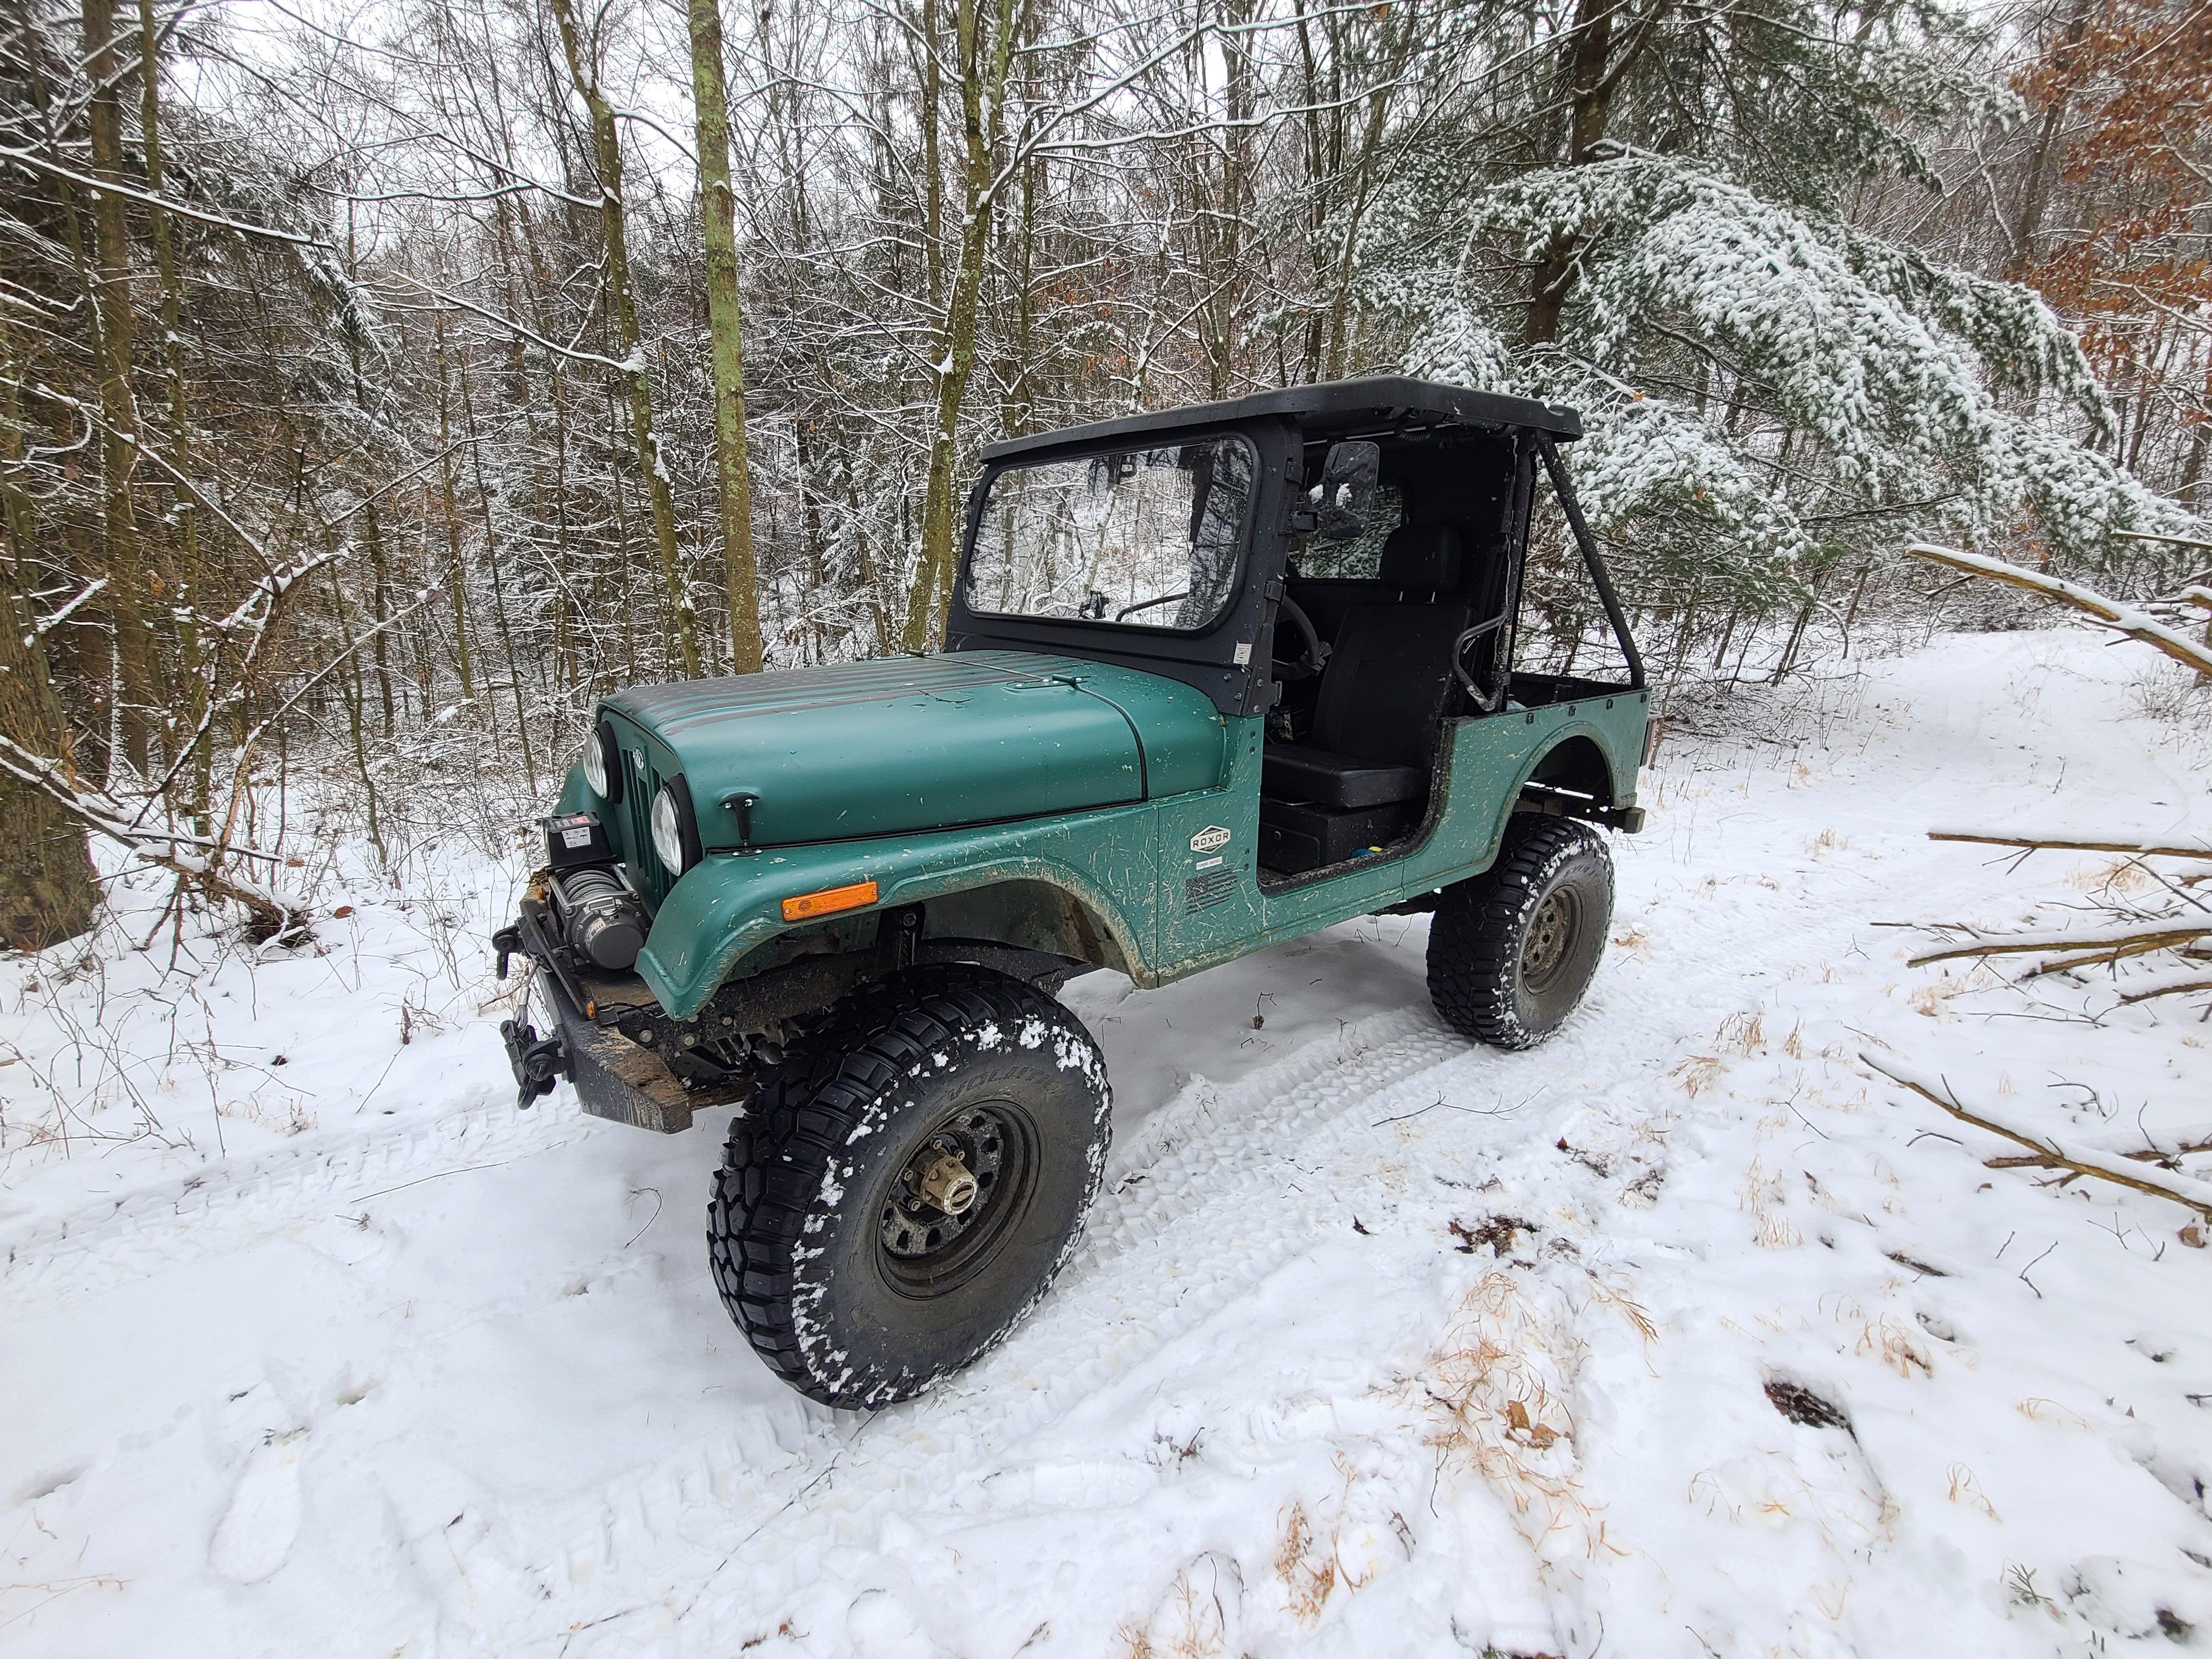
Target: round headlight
603,767
668,831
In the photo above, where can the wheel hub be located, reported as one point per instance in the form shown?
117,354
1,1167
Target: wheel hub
942,1179
1549,932
946,1185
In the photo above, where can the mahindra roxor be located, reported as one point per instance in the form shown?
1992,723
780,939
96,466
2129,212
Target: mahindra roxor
1213,679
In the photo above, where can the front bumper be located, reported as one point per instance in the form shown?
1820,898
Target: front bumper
614,1078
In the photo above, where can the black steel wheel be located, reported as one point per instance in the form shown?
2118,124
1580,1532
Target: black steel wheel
1512,950
908,1182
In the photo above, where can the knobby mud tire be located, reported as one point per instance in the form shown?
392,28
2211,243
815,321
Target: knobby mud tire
794,1227
1485,978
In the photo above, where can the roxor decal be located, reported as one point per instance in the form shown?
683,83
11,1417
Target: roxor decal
1211,839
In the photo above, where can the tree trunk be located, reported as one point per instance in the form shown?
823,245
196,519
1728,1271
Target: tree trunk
725,319
1221,239
110,293
606,147
457,570
985,45
47,892
2035,194
1593,81
186,575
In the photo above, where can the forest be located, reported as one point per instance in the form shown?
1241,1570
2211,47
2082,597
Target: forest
378,385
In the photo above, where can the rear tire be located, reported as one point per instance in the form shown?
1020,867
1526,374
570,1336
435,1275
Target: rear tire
1512,950
907,1185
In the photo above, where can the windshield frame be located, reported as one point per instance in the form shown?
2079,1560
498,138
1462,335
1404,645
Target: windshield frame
1228,664
1233,586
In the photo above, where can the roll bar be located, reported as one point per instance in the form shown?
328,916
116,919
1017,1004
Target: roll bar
1583,539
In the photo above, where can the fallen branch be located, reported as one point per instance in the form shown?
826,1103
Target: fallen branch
269,919
2109,947
2113,614
191,859
2159,1156
2183,1189
2035,843
2173,989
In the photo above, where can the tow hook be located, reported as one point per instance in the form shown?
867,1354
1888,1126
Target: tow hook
538,1062
506,942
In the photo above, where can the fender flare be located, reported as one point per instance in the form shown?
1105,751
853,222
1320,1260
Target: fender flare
723,913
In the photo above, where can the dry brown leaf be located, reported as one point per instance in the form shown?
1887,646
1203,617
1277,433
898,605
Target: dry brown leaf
1517,1418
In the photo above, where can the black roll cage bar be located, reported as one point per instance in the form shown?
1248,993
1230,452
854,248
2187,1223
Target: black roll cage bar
1600,578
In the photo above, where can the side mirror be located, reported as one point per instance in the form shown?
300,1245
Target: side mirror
1347,500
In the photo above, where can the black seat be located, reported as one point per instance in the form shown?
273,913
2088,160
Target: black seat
1387,686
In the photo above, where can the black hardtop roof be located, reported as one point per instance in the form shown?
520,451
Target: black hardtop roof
1379,400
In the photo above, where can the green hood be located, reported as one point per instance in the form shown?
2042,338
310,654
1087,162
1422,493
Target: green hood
909,744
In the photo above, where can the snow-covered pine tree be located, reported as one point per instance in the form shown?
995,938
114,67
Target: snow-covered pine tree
1774,395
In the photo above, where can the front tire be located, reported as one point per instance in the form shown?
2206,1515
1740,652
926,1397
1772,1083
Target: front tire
1512,950
905,1188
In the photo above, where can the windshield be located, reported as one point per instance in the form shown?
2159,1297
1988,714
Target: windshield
1145,537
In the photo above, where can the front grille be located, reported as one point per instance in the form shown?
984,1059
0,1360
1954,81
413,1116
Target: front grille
633,826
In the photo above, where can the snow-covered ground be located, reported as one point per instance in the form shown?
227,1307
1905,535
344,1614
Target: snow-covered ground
1378,1343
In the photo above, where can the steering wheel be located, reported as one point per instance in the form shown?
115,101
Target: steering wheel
1315,657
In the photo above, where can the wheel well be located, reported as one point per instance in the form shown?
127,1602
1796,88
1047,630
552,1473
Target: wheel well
1028,915
1577,765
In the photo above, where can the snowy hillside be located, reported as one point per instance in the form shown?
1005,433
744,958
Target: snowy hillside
1377,1343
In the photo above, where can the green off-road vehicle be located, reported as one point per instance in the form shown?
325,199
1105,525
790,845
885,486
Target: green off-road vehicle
1212,679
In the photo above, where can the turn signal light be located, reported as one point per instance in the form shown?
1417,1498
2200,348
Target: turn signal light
830,901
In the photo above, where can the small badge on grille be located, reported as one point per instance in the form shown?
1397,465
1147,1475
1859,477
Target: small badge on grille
1212,839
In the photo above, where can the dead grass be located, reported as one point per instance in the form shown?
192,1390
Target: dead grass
1742,1034
2123,876
1191,1621
1306,1567
1494,1392
1965,1489
1698,1072
1765,1196
1896,1345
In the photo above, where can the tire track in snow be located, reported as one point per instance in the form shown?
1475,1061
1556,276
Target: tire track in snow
196,1216
1168,1246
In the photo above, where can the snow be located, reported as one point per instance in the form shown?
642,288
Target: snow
1377,1342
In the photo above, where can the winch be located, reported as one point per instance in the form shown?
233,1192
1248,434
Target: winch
601,919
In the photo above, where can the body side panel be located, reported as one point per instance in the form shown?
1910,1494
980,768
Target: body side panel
1210,915
1174,908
